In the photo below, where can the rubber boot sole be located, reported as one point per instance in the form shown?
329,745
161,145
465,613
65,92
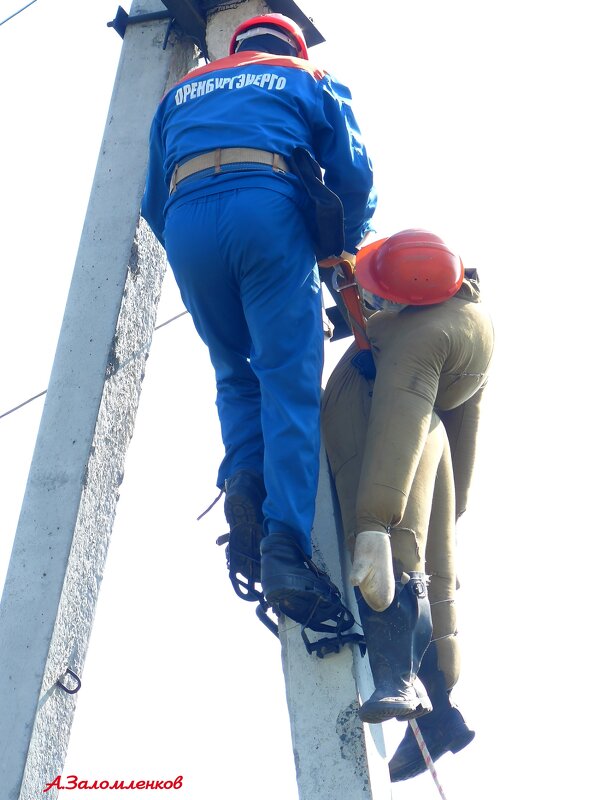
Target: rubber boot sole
375,711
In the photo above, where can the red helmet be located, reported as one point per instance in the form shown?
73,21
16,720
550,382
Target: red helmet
413,267
286,25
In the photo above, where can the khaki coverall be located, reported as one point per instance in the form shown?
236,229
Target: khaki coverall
396,467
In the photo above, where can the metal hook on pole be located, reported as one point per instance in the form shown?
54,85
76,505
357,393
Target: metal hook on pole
75,677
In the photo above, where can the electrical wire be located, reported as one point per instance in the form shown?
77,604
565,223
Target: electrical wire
18,12
41,394
24,403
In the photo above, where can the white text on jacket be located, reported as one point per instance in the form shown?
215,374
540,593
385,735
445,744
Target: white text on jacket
266,80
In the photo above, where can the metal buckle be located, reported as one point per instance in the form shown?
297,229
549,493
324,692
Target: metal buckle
338,275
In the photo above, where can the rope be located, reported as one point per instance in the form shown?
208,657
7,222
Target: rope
426,757
214,502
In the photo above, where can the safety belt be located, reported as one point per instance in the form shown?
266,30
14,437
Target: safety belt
344,282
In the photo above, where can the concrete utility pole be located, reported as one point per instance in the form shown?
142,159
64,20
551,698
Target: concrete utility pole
64,530
337,758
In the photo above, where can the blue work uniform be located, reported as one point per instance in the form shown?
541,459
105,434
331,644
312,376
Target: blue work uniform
240,249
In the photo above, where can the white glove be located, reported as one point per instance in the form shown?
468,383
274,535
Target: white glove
372,569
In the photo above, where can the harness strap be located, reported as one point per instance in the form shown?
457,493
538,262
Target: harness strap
215,159
349,293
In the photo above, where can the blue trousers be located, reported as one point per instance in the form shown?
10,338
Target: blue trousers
246,270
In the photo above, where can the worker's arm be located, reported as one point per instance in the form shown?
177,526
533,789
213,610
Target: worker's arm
343,156
156,192
409,364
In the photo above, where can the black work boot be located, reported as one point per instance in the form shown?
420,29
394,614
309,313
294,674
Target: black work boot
244,496
396,641
444,729
294,585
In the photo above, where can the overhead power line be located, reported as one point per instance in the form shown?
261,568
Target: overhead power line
18,12
24,403
41,394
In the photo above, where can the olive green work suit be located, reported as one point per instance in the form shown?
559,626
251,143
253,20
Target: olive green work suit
396,467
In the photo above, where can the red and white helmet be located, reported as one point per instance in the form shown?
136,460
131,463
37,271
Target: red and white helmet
274,24
413,267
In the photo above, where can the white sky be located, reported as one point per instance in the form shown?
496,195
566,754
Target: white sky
481,120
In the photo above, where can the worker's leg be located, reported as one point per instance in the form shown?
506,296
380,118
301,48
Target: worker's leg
210,292
280,291
461,425
398,636
444,729
248,275
253,244
441,569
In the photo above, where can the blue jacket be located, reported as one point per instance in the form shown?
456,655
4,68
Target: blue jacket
273,103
